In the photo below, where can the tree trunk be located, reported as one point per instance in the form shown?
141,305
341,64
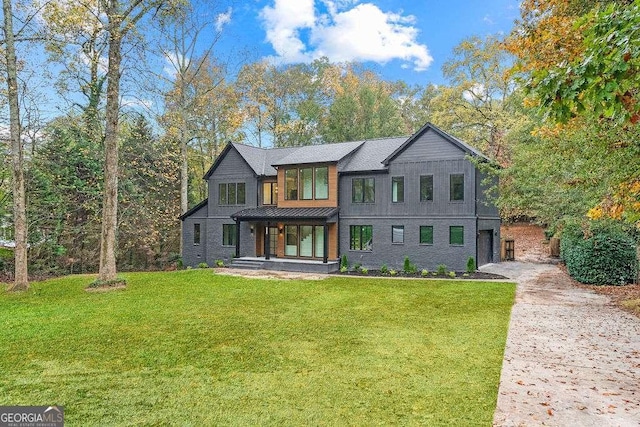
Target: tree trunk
110,202
184,170
21,280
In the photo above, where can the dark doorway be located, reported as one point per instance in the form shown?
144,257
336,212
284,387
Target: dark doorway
485,247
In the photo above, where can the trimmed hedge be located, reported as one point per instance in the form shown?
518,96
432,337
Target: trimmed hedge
602,254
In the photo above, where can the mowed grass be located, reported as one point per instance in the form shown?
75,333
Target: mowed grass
195,348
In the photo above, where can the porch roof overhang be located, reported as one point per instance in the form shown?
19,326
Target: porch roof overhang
286,214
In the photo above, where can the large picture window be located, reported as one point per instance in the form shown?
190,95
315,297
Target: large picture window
231,193
361,237
456,190
397,189
363,190
307,183
304,241
456,235
426,188
426,235
228,234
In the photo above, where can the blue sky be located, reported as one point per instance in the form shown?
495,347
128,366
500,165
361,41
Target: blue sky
407,40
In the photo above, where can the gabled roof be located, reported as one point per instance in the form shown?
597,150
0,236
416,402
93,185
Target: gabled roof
452,139
369,155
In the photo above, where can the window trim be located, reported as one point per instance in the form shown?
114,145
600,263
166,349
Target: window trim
392,234
363,181
451,191
197,229
232,236
226,201
451,227
359,229
420,235
273,188
393,179
426,199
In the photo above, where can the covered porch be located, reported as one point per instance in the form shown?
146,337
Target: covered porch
306,235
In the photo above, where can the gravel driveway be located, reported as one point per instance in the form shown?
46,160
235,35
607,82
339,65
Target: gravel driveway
571,359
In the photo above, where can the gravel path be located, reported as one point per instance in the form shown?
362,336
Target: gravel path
571,359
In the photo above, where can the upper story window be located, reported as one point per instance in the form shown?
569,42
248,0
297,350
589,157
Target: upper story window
363,190
269,193
456,187
426,188
232,193
397,189
307,183
291,184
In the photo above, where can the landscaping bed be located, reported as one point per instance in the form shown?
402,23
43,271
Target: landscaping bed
458,275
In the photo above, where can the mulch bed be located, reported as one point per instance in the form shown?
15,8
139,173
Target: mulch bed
460,275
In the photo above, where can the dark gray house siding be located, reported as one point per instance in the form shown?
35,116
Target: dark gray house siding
428,152
194,253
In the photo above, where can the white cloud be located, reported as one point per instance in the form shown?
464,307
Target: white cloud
223,19
347,32
477,92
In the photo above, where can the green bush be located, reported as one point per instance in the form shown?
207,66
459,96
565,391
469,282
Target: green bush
424,272
344,262
203,265
219,263
441,269
343,269
471,265
392,272
408,266
600,253
452,274
384,269
357,266
364,271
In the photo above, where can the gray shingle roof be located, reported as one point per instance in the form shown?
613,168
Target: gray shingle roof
371,154
318,153
261,159
284,213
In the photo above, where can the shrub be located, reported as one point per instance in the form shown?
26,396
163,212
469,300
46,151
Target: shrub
219,263
384,269
441,269
344,262
357,266
599,253
364,271
452,274
203,265
392,272
179,264
424,272
343,269
408,266
471,265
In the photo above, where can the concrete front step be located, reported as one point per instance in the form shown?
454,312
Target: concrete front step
247,264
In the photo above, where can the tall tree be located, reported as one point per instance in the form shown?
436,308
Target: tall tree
21,279
121,18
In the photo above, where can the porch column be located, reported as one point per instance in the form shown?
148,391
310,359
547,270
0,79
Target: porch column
267,245
237,238
326,243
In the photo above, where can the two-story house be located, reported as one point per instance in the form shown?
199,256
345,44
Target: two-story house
377,201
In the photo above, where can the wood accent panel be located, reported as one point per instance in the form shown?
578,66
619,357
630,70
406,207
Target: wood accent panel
333,241
259,233
331,202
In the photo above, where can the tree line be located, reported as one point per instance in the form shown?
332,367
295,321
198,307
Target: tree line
102,184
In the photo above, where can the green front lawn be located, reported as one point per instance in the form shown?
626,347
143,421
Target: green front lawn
194,348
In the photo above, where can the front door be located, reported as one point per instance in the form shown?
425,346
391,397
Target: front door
485,247
273,240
